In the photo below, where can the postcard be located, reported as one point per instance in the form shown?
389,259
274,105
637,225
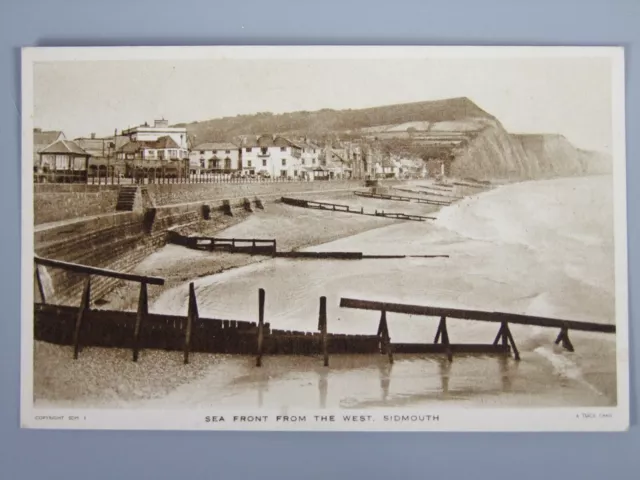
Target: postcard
365,238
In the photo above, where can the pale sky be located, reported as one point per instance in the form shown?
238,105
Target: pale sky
570,96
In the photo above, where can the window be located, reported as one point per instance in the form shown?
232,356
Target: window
227,163
284,162
295,173
303,161
248,149
314,150
313,160
283,173
62,162
264,150
249,163
283,149
213,152
201,152
227,151
202,163
264,162
79,163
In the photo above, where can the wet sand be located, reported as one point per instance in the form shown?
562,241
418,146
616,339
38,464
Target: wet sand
546,376
108,376
293,227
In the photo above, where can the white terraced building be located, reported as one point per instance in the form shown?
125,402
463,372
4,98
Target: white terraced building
271,156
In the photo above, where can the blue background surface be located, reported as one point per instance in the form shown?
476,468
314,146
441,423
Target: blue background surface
111,454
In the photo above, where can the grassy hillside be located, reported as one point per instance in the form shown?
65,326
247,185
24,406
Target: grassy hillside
323,122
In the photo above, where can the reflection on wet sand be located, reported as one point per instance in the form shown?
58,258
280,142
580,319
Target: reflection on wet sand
416,378
323,386
370,381
385,379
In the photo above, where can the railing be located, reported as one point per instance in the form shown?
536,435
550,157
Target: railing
60,177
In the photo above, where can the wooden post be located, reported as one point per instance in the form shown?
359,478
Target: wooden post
516,353
383,331
260,326
443,335
563,337
500,334
192,316
40,286
504,334
85,303
322,326
143,310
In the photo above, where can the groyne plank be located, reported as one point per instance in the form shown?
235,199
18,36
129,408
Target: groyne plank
459,348
77,268
476,315
347,209
400,198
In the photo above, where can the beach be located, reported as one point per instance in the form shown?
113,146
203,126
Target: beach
538,248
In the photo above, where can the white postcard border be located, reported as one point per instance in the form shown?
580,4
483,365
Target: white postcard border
448,418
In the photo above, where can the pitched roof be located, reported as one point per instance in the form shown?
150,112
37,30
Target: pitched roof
161,143
291,142
65,146
42,139
165,142
216,146
97,147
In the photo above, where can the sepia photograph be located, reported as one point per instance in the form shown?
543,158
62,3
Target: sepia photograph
324,238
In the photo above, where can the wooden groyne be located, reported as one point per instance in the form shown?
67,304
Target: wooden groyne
503,336
472,185
436,188
334,207
401,198
254,246
430,191
262,246
349,255
84,326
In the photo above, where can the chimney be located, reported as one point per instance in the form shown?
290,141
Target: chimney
93,136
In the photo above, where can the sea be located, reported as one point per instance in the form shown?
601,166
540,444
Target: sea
541,247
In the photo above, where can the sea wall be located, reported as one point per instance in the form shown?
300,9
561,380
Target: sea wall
56,202
119,242
53,202
165,194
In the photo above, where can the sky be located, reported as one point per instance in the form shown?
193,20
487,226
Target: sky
569,96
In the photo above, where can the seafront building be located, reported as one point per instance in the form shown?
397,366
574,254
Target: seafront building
64,160
271,156
215,158
157,150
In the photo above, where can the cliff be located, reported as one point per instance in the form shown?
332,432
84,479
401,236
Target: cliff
494,153
438,129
